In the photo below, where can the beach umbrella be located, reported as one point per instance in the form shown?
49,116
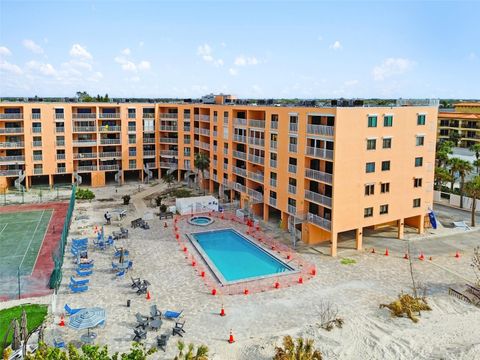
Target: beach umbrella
121,255
41,330
23,325
16,335
87,318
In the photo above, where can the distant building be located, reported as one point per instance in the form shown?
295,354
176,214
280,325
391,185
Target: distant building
462,125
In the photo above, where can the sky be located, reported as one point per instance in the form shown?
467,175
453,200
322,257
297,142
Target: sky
254,49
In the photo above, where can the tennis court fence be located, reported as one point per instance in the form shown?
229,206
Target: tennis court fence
36,195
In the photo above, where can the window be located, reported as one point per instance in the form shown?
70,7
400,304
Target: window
418,161
420,119
371,144
370,167
386,165
388,120
383,209
416,203
132,164
372,121
419,140
369,189
417,182
387,143
368,212
385,188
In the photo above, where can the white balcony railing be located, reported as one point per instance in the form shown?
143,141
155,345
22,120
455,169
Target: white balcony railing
256,159
12,130
319,221
318,198
239,154
320,129
319,153
319,175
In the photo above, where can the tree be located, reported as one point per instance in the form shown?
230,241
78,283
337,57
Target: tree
444,149
442,176
472,189
454,137
168,179
191,354
464,168
476,150
301,350
476,163
202,163
455,164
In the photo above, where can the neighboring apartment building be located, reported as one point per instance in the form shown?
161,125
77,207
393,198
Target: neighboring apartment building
320,170
464,121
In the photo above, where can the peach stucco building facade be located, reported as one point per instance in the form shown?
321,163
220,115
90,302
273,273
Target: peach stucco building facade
320,170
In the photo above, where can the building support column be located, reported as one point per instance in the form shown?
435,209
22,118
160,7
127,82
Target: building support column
359,238
421,224
50,181
333,248
265,212
400,228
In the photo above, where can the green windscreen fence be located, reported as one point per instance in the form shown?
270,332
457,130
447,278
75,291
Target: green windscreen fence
58,255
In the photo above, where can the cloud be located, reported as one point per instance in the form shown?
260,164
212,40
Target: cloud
12,68
336,45
80,52
128,65
233,71
205,51
245,60
41,68
351,83
391,67
4,51
32,46
126,51
144,65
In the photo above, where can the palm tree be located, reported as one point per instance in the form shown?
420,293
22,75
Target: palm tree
302,350
443,150
454,166
464,167
442,176
168,179
472,189
200,354
454,137
476,149
202,163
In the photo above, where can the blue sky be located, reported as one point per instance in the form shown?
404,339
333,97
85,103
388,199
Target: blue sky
250,49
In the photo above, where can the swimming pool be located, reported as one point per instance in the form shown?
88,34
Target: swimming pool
234,258
200,220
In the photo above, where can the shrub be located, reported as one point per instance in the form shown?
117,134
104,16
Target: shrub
301,349
347,261
158,200
126,199
181,193
163,208
407,305
189,353
84,194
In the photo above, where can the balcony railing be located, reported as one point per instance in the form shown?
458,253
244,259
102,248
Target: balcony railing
256,176
320,153
319,221
133,153
239,187
109,167
110,154
109,115
215,133
134,140
292,168
61,170
204,117
85,142
256,195
239,171
215,119
37,157
293,127
291,209
169,152
272,201
292,148
169,140
148,115
225,120
14,130
10,172
225,167
109,128
110,141
256,123
36,116
256,141
133,129
204,132
273,144
76,116
240,138
18,116
146,153
12,144
38,171
320,129
169,116
36,130
273,163
167,164
273,182
148,140
168,128
60,142
87,168
12,158
186,128
240,154
274,124
82,156
256,159
60,156
59,117
225,151
319,175
292,189
84,129
148,129
318,198
239,122
36,143
59,129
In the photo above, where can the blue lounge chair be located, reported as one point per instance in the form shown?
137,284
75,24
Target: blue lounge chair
172,315
84,273
76,282
58,343
71,311
118,252
85,266
130,265
114,266
110,240
121,274
78,289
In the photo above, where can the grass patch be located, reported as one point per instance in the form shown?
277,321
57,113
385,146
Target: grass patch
35,316
347,261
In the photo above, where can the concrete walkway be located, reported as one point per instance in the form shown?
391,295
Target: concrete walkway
137,199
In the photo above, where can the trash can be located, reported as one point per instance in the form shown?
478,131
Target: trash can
128,303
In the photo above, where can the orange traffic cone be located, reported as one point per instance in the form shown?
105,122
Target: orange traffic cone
421,257
148,297
222,311
214,292
231,340
430,258
373,250
165,224
245,291
62,321
406,256
386,252
457,255
277,284
300,280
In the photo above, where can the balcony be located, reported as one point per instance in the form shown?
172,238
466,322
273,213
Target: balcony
148,129
186,128
240,187
167,164
240,155
37,171
187,141
168,128
225,151
320,130
239,171
36,116
110,141
202,145
292,148
84,129
83,156
109,167
12,159
319,176
36,130
146,153
76,116
148,116
109,115
59,129
169,140
256,141
87,168
13,130
256,123
60,156
273,163
12,144
168,152
60,143
108,128
61,170
215,148
110,154
291,209
274,125
215,119
273,182
256,159
215,177
292,189
204,118
134,153
257,176
204,132
133,140
318,198
133,129
256,195
239,122
319,221
59,117
225,120
148,140
18,116
168,116
240,138
273,144
319,153
215,133
293,127
36,143
272,201
225,167
10,172
292,169
85,142
37,157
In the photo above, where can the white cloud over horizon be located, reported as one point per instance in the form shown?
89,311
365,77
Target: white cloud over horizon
78,51
32,46
392,67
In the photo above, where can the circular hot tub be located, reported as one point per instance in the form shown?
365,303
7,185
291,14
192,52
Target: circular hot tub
200,220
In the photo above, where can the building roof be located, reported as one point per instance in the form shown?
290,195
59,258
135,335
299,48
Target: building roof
456,115
476,104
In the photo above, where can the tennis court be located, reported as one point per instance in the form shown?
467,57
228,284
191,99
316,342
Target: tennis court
21,237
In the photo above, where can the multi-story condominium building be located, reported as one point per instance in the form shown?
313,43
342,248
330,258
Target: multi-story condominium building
462,125
321,170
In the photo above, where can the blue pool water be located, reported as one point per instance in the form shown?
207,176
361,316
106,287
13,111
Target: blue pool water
201,220
236,257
